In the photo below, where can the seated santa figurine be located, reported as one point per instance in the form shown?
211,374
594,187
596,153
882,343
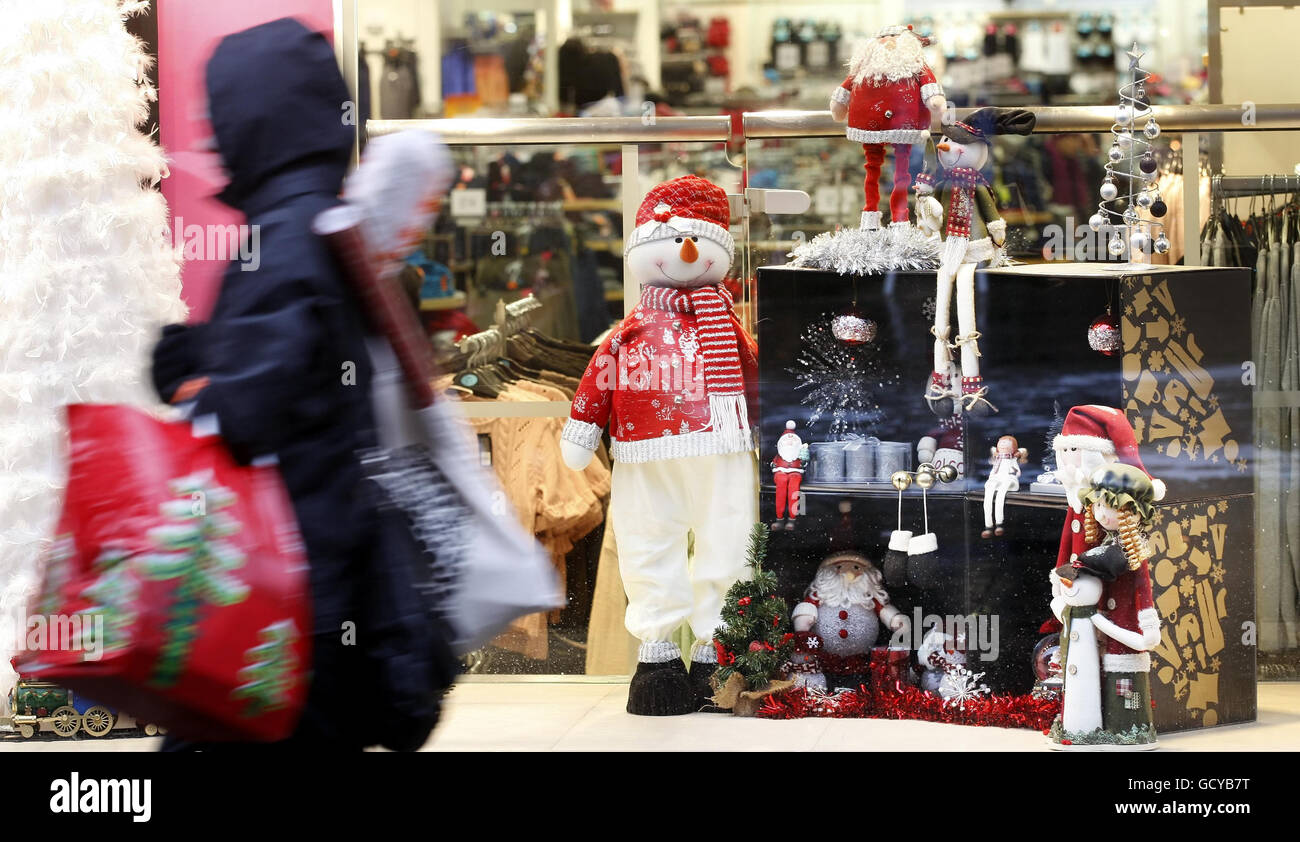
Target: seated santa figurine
838,621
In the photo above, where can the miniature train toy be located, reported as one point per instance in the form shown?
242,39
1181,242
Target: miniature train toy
41,706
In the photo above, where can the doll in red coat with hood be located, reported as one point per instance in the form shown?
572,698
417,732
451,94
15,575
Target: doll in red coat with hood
675,384
888,99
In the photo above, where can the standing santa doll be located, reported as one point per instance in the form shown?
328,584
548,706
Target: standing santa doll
787,474
1120,502
675,384
1091,436
889,98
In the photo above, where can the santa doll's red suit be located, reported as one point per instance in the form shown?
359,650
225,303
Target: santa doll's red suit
1090,436
888,98
787,472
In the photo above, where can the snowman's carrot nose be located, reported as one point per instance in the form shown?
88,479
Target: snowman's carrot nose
942,147
689,252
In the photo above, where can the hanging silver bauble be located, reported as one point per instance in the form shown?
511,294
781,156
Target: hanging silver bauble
1151,130
1130,215
1115,153
1162,243
1144,199
1123,114
1096,221
1125,140
1108,190
1116,245
1140,241
852,328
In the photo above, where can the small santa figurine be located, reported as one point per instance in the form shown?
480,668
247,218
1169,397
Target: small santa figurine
787,473
889,98
675,383
838,621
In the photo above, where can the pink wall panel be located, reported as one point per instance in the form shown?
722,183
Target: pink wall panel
188,32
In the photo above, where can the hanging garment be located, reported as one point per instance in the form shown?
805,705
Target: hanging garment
557,505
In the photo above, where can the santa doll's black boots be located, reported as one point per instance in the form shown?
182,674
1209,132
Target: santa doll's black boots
661,686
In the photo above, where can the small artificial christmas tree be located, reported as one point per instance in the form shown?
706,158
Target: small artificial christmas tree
755,638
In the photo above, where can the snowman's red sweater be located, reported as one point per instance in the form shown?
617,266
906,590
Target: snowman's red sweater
647,384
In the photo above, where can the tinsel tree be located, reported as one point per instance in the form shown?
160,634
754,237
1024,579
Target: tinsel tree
1049,440
1131,205
839,380
87,272
755,639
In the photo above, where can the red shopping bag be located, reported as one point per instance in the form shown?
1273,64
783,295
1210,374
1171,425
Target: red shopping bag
176,588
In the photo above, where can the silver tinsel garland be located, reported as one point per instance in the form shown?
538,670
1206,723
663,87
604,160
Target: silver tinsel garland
852,251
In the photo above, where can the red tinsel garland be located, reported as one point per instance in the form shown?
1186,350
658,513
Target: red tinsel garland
887,699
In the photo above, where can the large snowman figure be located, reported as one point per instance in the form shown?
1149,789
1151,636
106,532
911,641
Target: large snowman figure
675,384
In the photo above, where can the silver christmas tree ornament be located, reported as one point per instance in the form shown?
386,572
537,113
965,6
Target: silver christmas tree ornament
1130,204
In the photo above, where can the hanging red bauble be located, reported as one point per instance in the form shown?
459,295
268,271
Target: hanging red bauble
1104,336
852,328
756,647
744,600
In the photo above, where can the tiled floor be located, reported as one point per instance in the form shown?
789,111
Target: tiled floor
538,716
591,717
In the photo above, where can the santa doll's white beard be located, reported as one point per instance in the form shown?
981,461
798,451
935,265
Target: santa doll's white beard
833,590
874,61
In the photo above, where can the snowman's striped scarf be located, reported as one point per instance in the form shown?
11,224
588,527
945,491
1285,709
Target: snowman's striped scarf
720,348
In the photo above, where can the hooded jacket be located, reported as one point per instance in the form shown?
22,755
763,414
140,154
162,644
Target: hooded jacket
289,375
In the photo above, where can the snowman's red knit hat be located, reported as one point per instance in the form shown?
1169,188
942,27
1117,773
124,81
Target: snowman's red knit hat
688,205
1105,430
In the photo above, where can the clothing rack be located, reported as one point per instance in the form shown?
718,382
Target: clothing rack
490,344
1229,186
509,320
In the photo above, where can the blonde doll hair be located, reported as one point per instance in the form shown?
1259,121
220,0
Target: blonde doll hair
1135,547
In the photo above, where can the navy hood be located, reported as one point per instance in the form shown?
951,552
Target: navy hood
276,100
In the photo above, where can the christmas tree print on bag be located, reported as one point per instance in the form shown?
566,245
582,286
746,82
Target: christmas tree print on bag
197,558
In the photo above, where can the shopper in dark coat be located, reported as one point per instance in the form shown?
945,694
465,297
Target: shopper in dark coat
283,366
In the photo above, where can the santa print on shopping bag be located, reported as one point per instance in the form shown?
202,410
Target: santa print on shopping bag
676,384
195,565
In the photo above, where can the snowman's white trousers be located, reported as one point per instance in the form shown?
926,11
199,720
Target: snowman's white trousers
653,508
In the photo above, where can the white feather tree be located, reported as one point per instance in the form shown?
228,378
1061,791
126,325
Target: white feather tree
87,271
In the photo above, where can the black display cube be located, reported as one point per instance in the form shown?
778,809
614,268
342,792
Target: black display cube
1179,379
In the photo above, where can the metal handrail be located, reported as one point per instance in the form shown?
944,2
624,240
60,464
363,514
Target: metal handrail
1058,119
517,131
1051,119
